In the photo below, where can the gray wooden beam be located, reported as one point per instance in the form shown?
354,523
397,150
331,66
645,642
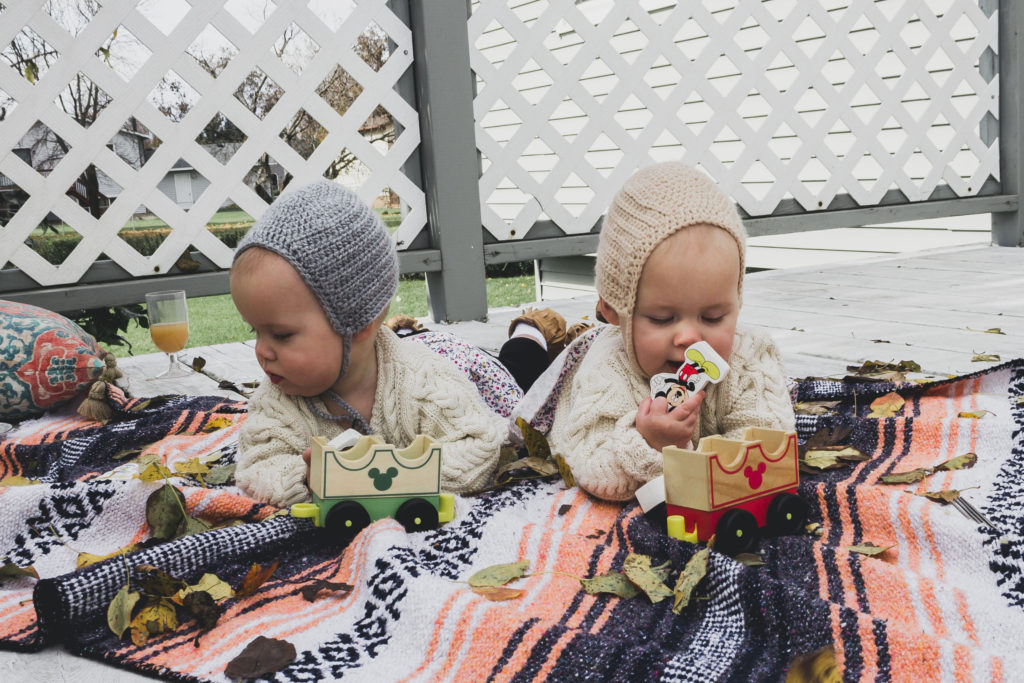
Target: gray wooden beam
1008,226
450,163
574,245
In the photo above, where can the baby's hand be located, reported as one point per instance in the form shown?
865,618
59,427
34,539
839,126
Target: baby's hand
305,458
661,427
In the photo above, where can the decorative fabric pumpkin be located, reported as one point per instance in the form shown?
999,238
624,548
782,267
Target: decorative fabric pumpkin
45,359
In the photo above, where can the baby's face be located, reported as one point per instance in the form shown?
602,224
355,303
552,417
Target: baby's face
295,343
688,292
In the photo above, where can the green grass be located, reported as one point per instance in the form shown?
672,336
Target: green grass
214,320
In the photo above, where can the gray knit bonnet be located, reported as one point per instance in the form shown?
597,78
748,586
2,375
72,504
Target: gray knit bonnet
342,252
338,246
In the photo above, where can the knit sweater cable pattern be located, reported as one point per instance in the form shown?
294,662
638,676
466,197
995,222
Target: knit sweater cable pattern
418,392
594,426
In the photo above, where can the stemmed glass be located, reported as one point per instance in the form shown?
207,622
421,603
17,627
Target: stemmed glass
168,326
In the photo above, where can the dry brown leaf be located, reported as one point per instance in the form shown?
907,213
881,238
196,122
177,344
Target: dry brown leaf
692,574
960,462
887,405
157,617
615,583
985,358
119,611
255,578
817,460
260,657
976,415
11,570
18,480
86,559
816,667
908,477
944,497
815,407
638,569
497,593
499,574
869,549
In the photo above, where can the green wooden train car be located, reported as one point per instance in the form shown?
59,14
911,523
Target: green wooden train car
372,480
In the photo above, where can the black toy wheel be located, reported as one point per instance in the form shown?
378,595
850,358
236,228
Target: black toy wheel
417,514
736,533
346,519
787,515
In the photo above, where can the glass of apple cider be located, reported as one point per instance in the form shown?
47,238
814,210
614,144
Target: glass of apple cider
168,326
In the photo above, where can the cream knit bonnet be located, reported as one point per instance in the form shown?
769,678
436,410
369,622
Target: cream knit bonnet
653,204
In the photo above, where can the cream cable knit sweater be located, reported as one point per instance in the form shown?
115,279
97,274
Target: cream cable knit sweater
418,392
594,426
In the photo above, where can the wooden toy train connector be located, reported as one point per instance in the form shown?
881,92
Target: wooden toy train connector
372,480
731,489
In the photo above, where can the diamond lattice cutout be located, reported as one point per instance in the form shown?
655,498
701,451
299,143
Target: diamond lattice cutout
258,92
304,134
7,104
187,184
83,100
29,54
173,96
54,240
165,15
348,169
72,17
12,198
372,46
41,148
221,138
124,53
212,51
94,191
295,48
334,13
339,89
250,13
267,178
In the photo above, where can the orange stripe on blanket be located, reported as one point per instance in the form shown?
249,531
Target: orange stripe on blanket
435,639
926,587
962,661
17,611
482,655
964,610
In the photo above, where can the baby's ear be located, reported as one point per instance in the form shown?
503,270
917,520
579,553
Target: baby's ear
607,312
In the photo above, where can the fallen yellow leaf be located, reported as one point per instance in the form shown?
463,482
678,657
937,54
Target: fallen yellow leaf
887,405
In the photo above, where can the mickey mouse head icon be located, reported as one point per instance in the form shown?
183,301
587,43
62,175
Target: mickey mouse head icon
382,480
754,476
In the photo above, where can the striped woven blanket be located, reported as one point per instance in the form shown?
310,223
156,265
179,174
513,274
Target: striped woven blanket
945,601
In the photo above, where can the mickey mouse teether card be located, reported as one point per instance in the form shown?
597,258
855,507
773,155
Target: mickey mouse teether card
702,365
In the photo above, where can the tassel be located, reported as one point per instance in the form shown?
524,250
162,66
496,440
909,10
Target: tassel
95,406
111,373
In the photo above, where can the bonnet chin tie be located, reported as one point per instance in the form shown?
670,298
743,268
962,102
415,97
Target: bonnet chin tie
353,416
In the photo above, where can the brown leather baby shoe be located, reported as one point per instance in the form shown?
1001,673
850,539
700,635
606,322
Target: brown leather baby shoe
550,324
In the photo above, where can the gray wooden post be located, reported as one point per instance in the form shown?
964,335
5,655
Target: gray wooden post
449,160
1008,226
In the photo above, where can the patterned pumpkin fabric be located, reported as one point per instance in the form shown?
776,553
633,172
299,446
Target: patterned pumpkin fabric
945,601
45,359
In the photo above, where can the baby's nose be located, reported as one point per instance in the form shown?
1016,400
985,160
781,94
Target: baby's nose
686,333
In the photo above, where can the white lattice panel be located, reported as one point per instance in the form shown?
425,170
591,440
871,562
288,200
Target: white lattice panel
776,99
165,36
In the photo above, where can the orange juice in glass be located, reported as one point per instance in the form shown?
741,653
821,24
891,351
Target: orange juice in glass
168,326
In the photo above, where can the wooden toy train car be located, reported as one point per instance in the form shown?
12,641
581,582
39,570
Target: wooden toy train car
733,488
372,480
